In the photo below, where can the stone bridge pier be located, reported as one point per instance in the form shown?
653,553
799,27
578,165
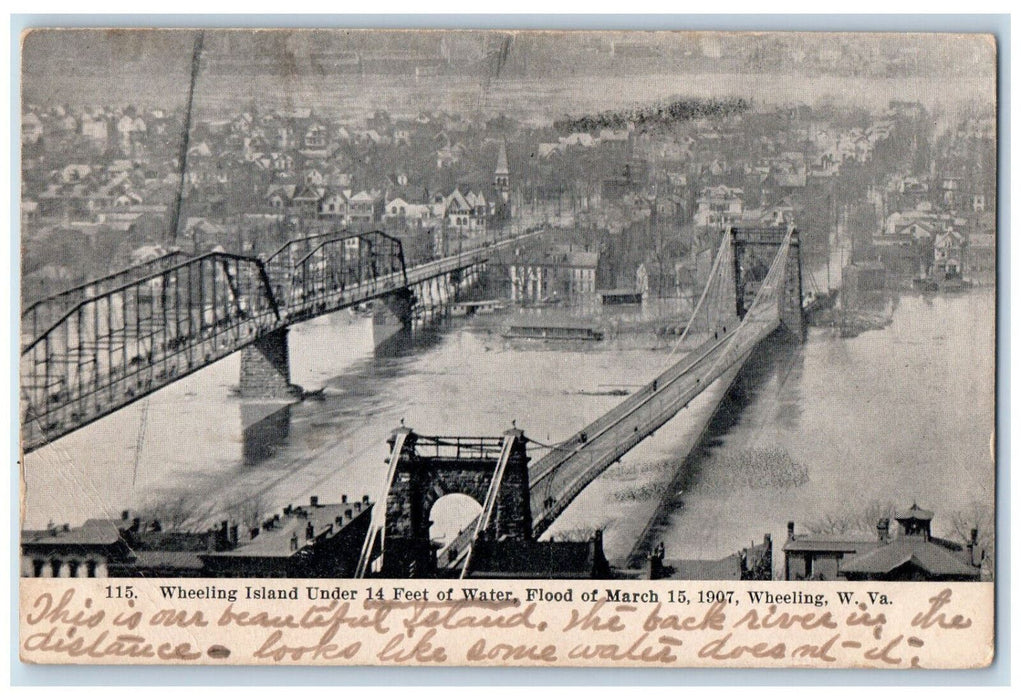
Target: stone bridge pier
266,369
392,314
426,301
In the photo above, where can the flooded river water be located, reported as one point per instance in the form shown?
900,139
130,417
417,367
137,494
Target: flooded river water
900,414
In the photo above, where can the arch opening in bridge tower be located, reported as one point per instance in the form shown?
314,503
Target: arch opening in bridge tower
451,514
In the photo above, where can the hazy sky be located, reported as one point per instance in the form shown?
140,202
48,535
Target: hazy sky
152,66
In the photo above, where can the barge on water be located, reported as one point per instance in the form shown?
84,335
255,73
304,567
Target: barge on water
548,332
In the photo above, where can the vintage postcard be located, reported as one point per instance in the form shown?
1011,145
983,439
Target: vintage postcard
529,348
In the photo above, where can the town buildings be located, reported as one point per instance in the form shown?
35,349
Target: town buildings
108,176
754,563
304,541
911,553
560,271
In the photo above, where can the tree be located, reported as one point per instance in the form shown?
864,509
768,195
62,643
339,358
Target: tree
979,516
175,512
248,511
853,520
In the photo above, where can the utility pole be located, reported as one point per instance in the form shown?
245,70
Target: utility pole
182,158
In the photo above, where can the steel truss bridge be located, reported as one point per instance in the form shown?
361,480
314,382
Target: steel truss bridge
738,308
91,350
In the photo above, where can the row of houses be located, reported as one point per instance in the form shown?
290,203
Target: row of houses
324,540
468,213
311,540
935,243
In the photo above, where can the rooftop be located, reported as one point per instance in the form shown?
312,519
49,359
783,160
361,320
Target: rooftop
726,569
824,543
287,534
914,513
93,532
926,555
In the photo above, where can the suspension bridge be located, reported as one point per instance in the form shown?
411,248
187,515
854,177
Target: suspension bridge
754,289
93,349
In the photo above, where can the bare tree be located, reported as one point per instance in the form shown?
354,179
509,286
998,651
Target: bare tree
174,512
248,511
977,516
853,520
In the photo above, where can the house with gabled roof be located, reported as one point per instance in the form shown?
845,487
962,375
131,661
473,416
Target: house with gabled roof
333,204
948,255
306,200
911,554
279,196
719,206
400,209
467,214
365,208
316,137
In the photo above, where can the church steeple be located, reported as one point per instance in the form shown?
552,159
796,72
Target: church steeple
501,176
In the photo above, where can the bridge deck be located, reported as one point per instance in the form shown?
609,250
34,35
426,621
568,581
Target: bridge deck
114,347
561,474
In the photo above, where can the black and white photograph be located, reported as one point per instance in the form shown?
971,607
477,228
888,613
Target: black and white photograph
494,304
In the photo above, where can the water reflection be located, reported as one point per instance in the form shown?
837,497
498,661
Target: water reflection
773,363
899,414
263,432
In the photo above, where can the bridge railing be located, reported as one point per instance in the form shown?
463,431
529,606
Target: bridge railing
338,270
558,478
568,467
124,343
43,313
121,342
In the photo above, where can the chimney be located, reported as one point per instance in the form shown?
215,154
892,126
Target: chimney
348,513
790,529
343,498
972,544
365,499
314,501
287,509
136,524
339,520
234,535
125,514
656,562
358,506
883,529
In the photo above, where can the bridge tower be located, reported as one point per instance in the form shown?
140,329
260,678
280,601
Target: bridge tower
429,468
792,310
754,251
